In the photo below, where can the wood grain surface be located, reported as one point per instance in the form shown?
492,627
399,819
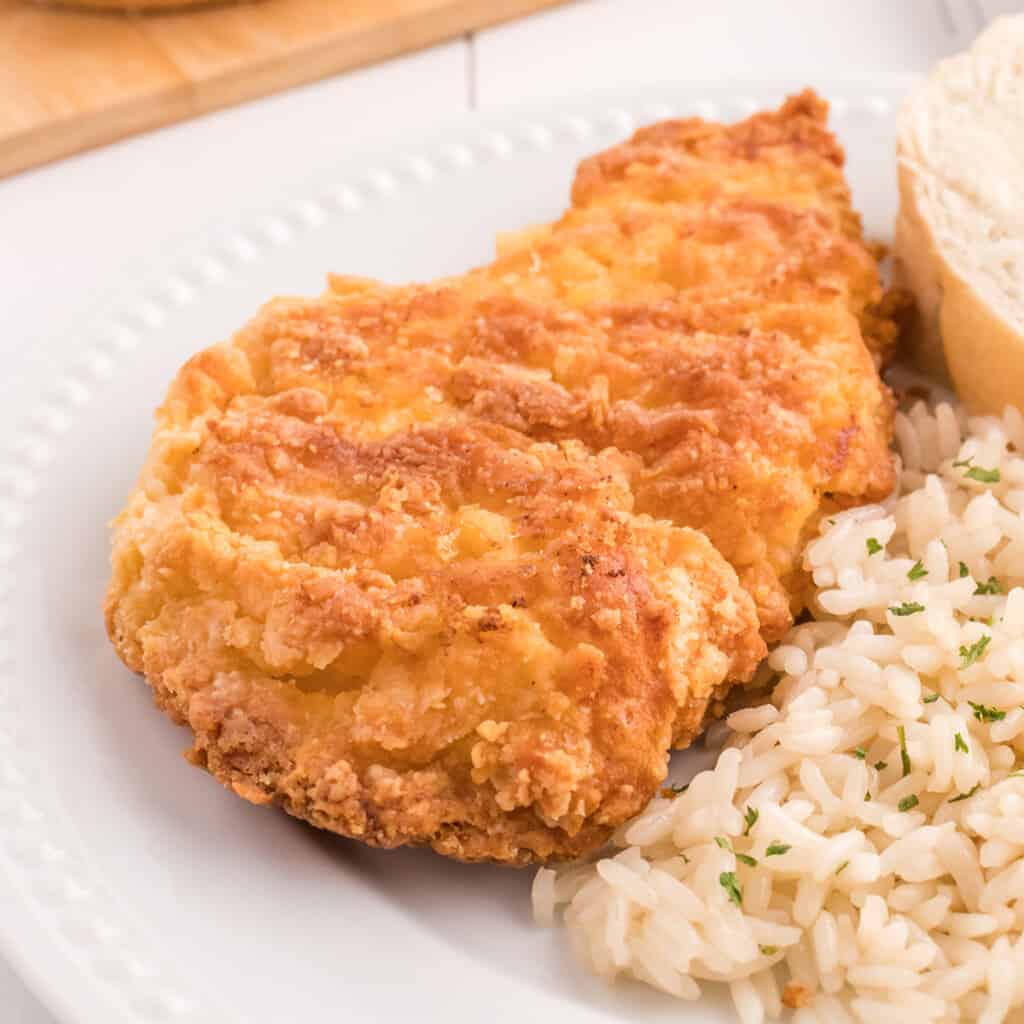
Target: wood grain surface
72,79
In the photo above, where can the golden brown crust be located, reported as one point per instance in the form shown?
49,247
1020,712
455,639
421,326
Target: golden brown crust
449,635
417,562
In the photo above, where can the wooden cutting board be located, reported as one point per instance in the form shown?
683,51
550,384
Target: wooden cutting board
71,79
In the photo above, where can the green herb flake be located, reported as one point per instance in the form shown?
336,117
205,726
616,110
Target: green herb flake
750,817
907,608
724,843
983,713
745,858
964,571
930,699
982,475
880,766
768,950
990,586
965,796
727,880
917,571
969,655
860,753
904,756
908,803
777,849
872,545
962,462
959,744
867,798
842,867
676,790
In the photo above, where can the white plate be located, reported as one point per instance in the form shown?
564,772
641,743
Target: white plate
132,887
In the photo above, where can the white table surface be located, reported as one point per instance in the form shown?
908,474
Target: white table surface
70,229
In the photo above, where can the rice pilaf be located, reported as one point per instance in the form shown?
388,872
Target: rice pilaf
857,852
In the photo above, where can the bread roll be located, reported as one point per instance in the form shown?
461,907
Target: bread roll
960,231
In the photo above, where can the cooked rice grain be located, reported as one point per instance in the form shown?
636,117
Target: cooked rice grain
882,875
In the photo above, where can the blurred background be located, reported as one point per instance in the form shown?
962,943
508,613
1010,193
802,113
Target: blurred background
122,132
77,73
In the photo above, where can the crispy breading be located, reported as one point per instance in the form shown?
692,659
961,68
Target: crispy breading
422,564
447,633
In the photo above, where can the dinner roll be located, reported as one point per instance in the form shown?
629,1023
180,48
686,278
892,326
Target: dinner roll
960,231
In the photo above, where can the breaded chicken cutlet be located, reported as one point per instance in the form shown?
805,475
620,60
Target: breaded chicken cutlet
437,563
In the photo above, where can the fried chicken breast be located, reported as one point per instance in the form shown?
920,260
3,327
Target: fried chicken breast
457,563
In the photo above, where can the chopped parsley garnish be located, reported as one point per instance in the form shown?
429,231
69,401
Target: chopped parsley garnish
960,744
750,817
727,880
979,473
872,545
880,766
777,849
930,699
842,867
983,476
965,796
860,753
908,803
867,797
984,713
743,857
990,586
768,950
969,655
917,571
904,756
907,608
964,571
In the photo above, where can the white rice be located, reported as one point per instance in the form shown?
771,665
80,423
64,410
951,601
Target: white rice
880,794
